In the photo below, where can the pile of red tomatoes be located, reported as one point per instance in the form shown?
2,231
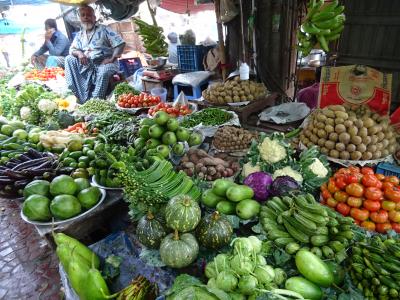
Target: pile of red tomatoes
174,111
372,200
45,74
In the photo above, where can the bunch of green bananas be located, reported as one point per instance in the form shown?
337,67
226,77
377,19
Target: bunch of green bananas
153,38
321,25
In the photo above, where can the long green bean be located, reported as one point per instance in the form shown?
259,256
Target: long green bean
207,117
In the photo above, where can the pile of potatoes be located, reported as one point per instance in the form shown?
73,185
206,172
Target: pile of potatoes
235,90
230,138
350,133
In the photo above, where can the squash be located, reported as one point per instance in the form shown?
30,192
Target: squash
179,251
182,213
150,231
214,231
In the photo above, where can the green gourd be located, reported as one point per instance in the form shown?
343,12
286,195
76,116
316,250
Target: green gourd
79,248
182,213
214,231
77,275
179,251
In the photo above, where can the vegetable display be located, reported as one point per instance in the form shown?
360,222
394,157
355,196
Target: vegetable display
173,110
323,24
96,106
124,88
234,91
214,231
150,231
45,74
375,267
229,138
293,222
207,117
370,199
136,101
350,133
153,38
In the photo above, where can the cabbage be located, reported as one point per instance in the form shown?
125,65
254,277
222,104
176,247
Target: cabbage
243,246
260,260
248,284
193,291
242,265
257,244
264,274
210,270
260,183
280,276
226,281
221,262
283,185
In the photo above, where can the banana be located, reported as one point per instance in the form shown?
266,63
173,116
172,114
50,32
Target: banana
310,28
322,41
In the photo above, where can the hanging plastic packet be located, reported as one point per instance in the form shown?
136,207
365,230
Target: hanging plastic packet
181,99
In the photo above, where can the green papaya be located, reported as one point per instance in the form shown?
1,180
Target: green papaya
96,286
78,275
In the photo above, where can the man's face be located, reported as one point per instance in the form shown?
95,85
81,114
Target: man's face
88,18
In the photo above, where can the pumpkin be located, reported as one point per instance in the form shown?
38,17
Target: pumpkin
182,213
214,231
150,231
179,251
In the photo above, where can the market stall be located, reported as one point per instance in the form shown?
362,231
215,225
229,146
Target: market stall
230,194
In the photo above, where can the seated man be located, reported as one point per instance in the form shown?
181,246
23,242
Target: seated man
309,95
56,43
93,57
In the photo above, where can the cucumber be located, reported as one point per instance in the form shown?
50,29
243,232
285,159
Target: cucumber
304,287
313,268
319,240
238,193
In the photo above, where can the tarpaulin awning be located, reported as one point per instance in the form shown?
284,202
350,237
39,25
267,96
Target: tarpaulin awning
186,6
11,27
22,2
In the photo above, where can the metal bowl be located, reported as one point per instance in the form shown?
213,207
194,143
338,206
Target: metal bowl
157,63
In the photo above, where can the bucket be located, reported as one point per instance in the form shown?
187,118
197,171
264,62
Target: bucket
161,92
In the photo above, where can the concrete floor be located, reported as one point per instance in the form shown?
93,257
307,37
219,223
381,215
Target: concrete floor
28,267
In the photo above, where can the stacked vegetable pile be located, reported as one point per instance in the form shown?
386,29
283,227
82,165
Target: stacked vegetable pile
173,110
198,163
207,117
45,74
322,25
231,198
372,200
229,138
272,154
234,91
375,267
350,133
160,135
124,88
244,272
153,38
137,101
95,106
293,222
68,198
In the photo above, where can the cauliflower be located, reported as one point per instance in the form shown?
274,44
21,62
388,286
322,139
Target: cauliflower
47,106
288,171
318,168
271,151
248,169
25,112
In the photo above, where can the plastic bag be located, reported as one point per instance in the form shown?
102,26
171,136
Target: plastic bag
137,80
181,99
285,113
228,10
192,78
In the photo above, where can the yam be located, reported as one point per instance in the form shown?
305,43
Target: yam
194,158
351,148
211,171
199,167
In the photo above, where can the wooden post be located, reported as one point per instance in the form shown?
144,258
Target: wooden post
220,38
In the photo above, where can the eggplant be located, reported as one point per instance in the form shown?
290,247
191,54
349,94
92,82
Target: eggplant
20,184
46,164
11,165
31,163
24,157
6,180
32,153
36,172
14,174
65,171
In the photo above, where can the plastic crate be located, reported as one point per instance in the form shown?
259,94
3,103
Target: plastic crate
129,65
190,58
388,169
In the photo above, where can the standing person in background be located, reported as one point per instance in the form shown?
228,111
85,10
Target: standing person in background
93,58
173,48
309,95
56,43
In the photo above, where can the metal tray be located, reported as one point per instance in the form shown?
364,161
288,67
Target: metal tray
95,183
25,218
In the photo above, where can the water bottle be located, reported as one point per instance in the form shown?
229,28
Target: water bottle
244,71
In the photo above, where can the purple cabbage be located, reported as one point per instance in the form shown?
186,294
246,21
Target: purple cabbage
260,183
283,185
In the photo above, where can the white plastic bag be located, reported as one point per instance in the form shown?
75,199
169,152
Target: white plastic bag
192,78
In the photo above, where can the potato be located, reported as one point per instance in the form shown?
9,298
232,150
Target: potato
362,148
315,130
314,139
329,113
359,123
368,122
363,132
320,125
381,136
351,148
392,140
374,139
321,142
330,144
329,129
333,136
356,140
366,155
375,116
340,147
377,154
385,143
389,134
372,130
324,151
379,146
391,148
339,121
356,155
330,121
344,155
352,130
366,140
334,153
344,138
322,133
371,148
348,123
321,117
385,152
337,108
341,115
339,128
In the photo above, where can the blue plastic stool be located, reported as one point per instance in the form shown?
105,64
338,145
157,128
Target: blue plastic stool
195,90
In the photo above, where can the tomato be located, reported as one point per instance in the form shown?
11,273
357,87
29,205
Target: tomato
395,227
340,196
392,179
371,205
368,225
386,185
354,201
341,183
394,216
392,194
359,214
343,208
351,179
373,193
370,180
380,216
388,205
332,188
380,177
355,189
358,222
367,170
383,227
331,202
